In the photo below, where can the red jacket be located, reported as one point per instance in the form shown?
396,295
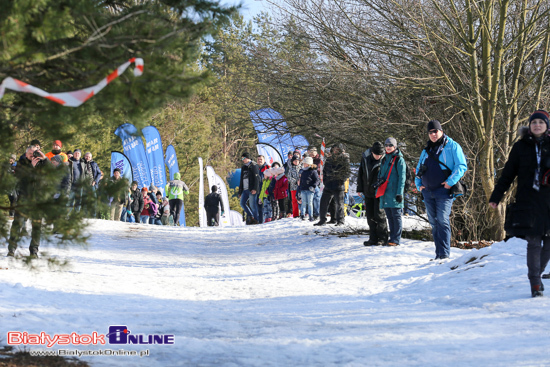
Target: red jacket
281,188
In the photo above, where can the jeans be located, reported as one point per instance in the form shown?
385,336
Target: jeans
252,208
307,202
438,207
316,201
144,219
396,224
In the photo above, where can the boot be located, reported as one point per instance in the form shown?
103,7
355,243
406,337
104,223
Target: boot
536,291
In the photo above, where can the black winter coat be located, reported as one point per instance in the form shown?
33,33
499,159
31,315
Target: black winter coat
212,201
253,173
336,172
30,179
137,201
309,178
368,174
530,214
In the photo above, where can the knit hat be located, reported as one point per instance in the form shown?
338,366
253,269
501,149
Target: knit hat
377,148
144,189
308,161
57,158
58,142
246,155
69,152
540,114
152,188
14,157
35,142
434,124
391,141
214,188
295,158
77,150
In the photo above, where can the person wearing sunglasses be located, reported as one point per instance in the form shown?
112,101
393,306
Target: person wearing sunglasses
441,165
392,177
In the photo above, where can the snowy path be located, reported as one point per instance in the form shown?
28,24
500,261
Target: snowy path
279,295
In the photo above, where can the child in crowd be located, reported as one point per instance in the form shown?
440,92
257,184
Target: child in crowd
280,192
263,198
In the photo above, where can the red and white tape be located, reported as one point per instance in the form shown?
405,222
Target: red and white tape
74,98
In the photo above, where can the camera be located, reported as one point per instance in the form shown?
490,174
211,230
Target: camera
378,182
37,154
423,168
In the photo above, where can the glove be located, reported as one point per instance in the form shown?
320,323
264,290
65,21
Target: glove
399,198
223,213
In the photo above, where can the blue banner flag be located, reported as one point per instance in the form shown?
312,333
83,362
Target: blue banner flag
171,161
120,161
273,130
135,151
155,156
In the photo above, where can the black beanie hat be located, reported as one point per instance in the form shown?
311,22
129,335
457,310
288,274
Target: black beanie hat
35,142
377,148
246,155
540,114
434,124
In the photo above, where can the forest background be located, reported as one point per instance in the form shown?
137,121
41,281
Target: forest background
351,71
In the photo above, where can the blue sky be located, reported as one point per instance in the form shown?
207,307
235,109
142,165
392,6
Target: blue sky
250,7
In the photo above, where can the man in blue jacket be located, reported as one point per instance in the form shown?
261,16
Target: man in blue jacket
441,165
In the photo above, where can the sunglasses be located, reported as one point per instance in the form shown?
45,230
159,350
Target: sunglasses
431,132
389,145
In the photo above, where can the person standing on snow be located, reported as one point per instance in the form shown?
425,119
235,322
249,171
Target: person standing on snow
249,188
529,216
175,190
441,165
212,204
367,176
393,174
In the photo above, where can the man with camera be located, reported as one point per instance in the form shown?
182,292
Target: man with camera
29,175
366,182
441,165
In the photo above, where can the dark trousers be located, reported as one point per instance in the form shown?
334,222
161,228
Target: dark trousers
13,199
213,218
175,209
261,213
376,218
278,208
16,232
338,197
538,255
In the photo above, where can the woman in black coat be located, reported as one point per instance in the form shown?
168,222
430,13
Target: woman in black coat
529,216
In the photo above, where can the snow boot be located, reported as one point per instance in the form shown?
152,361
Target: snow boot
536,291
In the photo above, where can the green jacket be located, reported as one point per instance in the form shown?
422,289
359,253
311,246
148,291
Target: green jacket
263,192
176,188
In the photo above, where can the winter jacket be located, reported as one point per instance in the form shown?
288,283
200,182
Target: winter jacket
293,175
79,171
530,214
137,201
281,187
336,172
396,181
66,182
50,155
368,174
212,201
264,193
251,173
146,206
176,188
122,196
92,173
309,179
452,155
30,179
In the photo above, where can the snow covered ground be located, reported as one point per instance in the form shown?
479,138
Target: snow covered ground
280,294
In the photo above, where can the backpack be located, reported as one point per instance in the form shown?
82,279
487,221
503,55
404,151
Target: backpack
409,177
